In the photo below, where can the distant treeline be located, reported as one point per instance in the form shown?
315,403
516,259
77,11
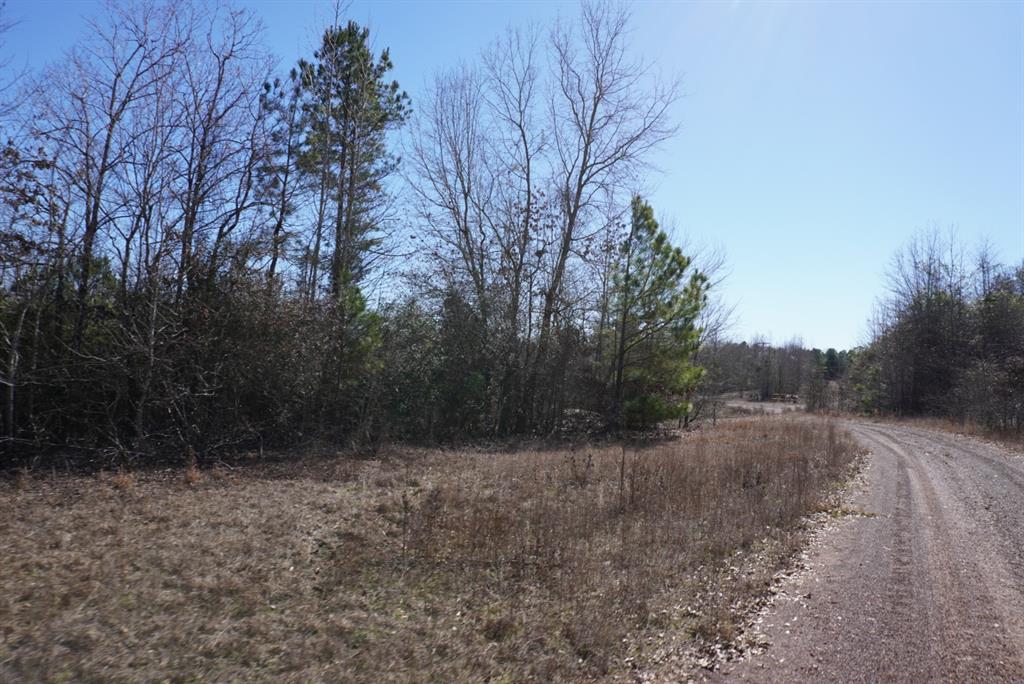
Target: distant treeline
197,255
758,370
947,340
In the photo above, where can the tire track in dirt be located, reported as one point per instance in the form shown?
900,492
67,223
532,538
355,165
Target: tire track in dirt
926,587
957,582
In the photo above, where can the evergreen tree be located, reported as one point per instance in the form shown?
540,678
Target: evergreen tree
281,181
657,300
351,108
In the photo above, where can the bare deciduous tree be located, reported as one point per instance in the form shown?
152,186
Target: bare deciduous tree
607,114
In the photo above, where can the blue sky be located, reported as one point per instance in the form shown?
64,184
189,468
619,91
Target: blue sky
815,137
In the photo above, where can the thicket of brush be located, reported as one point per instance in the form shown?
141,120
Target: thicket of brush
198,255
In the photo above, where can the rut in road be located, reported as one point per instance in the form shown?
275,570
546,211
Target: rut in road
928,585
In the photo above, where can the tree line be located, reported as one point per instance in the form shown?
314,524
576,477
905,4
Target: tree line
946,340
198,254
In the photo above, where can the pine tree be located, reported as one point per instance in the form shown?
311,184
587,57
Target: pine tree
657,300
350,108
281,181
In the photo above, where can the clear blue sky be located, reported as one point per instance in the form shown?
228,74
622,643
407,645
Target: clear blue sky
815,137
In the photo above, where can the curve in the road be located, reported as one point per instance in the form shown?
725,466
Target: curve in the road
929,586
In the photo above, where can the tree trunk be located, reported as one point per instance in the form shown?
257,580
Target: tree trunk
12,379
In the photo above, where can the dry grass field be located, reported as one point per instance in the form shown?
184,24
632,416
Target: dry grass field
415,566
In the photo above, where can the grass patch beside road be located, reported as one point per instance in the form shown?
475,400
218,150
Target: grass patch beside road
422,566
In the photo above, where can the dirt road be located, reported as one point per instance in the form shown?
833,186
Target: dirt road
926,585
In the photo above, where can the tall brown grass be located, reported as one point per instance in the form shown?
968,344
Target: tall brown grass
602,533
413,566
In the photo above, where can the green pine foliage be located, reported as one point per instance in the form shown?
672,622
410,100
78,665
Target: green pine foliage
658,298
350,108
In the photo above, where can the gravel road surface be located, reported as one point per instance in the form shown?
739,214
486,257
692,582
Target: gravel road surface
925,584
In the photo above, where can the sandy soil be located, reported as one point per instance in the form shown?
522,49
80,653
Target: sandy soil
923,582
